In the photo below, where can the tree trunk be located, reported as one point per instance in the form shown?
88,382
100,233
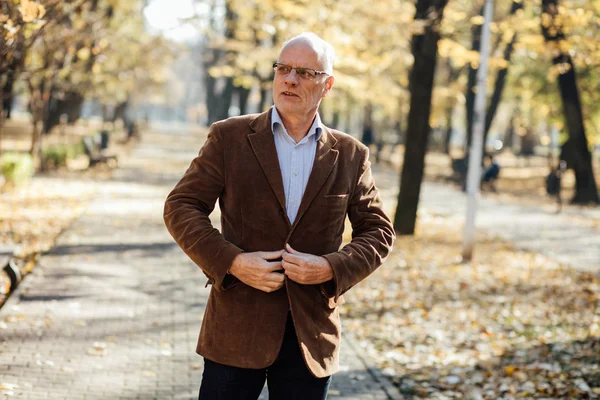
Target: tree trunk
264,95
449,129
7,93
424,50
500,79
348,114
263,104
1,121
509,138
224,102
212,105
12,72
219,104
498,86
70,105
368,136
586,190
37,111
36,140
585,184
335,121
52,116
453,75
105,113
243,94
211,59
121,112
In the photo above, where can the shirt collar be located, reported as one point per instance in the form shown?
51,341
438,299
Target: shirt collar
315,129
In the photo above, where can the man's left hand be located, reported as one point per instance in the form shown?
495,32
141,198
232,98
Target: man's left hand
304,268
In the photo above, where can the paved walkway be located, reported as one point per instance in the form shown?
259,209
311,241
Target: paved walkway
114,311
571,237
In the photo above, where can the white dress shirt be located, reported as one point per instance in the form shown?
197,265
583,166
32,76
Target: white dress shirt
295,160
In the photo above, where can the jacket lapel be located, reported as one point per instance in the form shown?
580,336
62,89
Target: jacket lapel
325,158
263,145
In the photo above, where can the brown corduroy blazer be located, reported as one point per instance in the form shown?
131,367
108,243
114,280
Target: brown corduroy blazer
238,166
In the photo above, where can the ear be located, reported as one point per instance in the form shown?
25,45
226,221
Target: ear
328,85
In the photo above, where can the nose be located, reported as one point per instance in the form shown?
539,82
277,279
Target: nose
292,77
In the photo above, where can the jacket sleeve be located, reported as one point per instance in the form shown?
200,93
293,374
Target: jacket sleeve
372,236
189,205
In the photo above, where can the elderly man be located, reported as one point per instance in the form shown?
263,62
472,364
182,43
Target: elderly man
285,184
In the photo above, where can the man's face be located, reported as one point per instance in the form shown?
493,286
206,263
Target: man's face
294,95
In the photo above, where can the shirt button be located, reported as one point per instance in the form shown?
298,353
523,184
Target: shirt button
295,174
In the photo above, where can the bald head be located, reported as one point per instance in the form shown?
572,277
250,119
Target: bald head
323,50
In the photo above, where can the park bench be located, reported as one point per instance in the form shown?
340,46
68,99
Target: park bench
8,265
97,155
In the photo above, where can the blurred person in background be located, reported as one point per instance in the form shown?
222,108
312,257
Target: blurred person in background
491,171
285,184
554,183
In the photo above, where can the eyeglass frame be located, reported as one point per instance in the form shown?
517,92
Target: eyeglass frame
307,76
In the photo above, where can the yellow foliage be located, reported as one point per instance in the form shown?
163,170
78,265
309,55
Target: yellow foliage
103,43
31,11
477,20
244,81
225,70
83,53
79,23
371,39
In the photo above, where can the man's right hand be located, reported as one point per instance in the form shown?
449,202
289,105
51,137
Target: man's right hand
256,270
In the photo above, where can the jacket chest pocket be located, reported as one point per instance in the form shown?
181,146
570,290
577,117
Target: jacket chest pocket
336,200
335,205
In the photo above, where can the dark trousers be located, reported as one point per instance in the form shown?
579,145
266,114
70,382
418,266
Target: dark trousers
288,378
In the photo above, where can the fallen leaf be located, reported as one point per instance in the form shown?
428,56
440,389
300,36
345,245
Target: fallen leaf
8,386
98,349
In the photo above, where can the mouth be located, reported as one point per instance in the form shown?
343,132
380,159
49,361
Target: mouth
289,94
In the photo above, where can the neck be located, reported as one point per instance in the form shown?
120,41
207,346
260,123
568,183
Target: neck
298,126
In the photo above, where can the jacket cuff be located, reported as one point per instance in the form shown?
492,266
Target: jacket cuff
229,281
223,280
334,287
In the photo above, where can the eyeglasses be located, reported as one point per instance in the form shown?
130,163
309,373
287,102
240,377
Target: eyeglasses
304,73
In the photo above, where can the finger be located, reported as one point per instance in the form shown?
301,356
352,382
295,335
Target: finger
274,266
290,274
275,284
294,277
290,250
287,266
271,255
292,258
267,289
275,277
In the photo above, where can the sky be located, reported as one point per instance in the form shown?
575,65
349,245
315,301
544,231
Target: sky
164,15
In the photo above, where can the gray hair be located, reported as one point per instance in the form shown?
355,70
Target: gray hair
325,52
